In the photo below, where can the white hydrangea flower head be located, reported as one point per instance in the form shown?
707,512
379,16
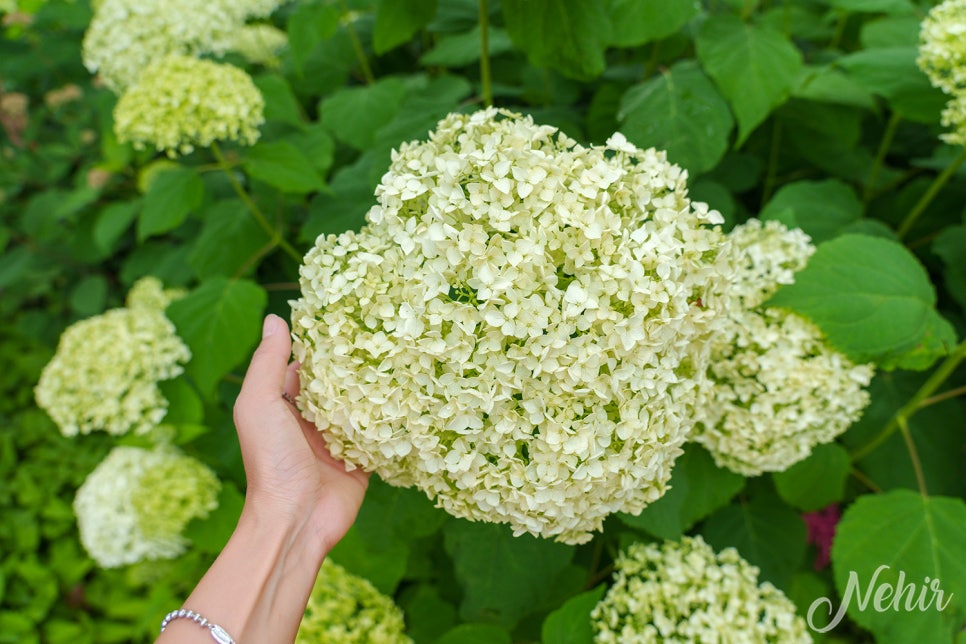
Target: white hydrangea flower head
181,102
346,609
777,388
136,503
260,44
681,591
942,46
954,116
520,328
149,292
105,373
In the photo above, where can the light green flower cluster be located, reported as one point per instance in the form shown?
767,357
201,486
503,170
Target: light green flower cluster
181,102
777,387
942,57
521,327
259,44
682,592
136,503
105,373
346,609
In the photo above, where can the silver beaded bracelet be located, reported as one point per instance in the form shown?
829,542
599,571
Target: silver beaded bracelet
219,634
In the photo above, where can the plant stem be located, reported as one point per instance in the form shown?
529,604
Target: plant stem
905,412
357,45
274,234
485,80
884,146
864,479
913,456
946,395
930,194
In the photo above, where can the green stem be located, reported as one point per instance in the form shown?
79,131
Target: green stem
357,45
905,412
884,146
913,456
864,479
274,235
839,30
946,395
485,80
930,194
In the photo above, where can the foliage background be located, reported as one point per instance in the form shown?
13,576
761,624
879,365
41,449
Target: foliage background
808,111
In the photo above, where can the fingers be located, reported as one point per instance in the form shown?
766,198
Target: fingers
266,374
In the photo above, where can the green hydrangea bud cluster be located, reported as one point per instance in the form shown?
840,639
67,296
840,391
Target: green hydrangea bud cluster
105,373
181,102
346,609
142,50
942,57
680,592
777,387
136,503
520,329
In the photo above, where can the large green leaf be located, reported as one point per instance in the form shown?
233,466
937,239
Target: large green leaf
820,208
679,111
875,6
817,481
475,634
283,165
398,20
309,25
396,513
908,537
383,566
354,114
755,67
765,531
281,106
950,246
570,624
502,576
635,22
891,72
869,295
457,50
227,220
567,35
220,322
698,488
173,194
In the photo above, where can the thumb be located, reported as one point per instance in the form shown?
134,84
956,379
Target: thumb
265,378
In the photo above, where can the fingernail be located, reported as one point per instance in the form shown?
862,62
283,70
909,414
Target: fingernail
271,325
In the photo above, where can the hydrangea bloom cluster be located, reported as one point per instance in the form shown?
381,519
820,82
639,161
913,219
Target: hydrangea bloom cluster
520,328
679,592
942,56
260,44
125,36
104,375
181,102
346,609
777,387
136,503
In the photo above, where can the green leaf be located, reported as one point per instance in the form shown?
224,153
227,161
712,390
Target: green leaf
891,72
307,26
475,634
281,164
817,481
698,488
636,22
220,321
209,535
567,35
184,405
913,536
317,146
891,31
226,220
427,614
950,246
354,114
679,111
829,85
570,624
113,222
755,67
398,20
89,295
172,196
870,296
396,513
280,103
938,340
766,532
874,6
383,567
820,208
502,576
459,50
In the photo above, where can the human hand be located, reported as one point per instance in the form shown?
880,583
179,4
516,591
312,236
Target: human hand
291,475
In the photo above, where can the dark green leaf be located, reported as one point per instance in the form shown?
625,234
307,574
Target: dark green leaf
398,20
820,208
570,624
427,614
184,405
635,22
280,102
227,220
458,50
869,295
829,85
281,164
354,114
220,321
567,35
755,67
396,513
172,196
209,535
89,295
475,634
317,146
875,6
913,538
308,25
113,222
681,112
891,31
950,246
891,72
817,481
384,567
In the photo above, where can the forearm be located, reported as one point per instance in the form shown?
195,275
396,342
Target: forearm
258,586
